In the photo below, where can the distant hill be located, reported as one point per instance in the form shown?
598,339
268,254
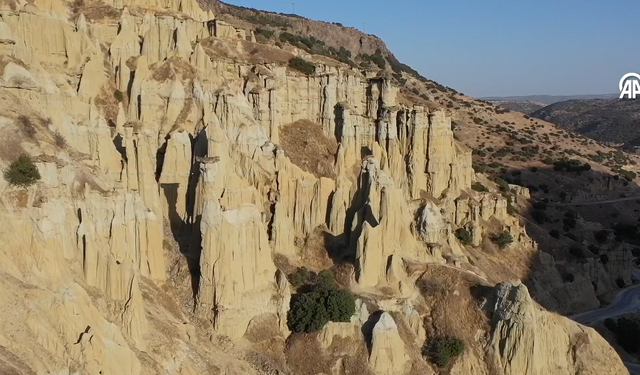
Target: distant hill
550,99
524,106
607,120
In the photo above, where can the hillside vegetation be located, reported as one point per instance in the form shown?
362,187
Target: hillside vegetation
616,121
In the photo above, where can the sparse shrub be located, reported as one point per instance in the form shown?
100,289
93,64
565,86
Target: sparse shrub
299,277
539,216
60,141
502,185
568,278
601,236
577,251
533,169
554,233
22,172
479,187
569,222
464,236
375,58
479,167
442,350
628,175
604,258
26,126
502,239
267,34
302,65
118,95
539,205
620,282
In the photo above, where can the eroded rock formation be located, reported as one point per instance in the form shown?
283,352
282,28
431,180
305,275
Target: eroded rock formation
152,124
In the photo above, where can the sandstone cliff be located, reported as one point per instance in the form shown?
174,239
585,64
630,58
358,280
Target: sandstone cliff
166,197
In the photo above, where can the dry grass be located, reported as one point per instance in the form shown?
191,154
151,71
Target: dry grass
253,53
313,252
172,68
107,103
298,349
308,148
305,357
453,309
94,10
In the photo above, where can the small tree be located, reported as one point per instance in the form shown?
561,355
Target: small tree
479,187
464,236
502,239
442,350
539,216
601,236
22,172
310,311
302,65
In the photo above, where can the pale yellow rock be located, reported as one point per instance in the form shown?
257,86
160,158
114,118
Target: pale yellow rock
527,340
237,280
6,36
125,45
174,179
85,257
388,355
16,76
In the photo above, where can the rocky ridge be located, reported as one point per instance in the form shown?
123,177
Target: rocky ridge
166,197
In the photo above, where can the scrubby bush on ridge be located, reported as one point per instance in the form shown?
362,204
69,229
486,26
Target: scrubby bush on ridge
302,65
22,172
321,303
442,350
502,239
464,235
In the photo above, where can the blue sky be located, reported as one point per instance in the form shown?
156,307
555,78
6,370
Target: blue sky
496,48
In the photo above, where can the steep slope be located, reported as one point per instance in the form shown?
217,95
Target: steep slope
612,120
550,99
524,106
176,203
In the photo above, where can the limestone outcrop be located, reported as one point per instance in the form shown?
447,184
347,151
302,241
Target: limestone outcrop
527,340
388,355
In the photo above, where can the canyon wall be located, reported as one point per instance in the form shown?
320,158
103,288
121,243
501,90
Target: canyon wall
151,122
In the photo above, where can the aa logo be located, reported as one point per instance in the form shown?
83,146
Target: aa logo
629,85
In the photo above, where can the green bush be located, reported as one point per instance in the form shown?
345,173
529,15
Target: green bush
442,350
267,34
601,236
502,239
464,236
22,172
479,187
310,311
299,277
539,216
118,95
502,185
375,58
569,223
26,126
577,251
302,65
